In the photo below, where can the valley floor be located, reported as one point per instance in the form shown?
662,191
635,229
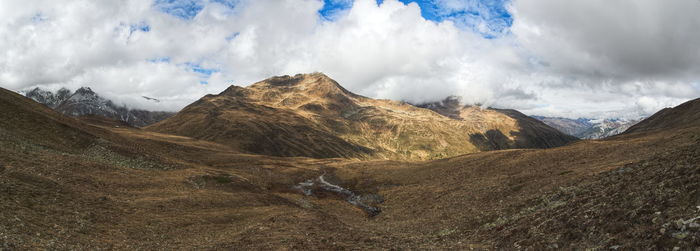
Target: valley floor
133,189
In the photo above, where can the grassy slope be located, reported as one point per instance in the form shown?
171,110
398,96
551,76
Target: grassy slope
127,188
541,198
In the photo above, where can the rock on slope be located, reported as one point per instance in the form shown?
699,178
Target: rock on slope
312,115
84,101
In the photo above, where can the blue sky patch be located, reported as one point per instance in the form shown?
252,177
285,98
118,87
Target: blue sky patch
160,60
490,18
204,72
143,26
331,8
185,9
188,9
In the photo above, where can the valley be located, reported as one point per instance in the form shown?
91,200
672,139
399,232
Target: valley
299,162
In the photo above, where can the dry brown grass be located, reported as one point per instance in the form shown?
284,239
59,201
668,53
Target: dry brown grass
125,188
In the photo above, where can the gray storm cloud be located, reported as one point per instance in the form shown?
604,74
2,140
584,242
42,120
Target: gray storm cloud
560,58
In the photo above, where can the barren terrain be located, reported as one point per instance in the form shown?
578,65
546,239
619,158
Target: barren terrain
92,183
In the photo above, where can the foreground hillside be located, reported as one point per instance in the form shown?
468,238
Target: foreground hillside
311,115
66,184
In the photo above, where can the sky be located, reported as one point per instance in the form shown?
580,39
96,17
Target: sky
574,58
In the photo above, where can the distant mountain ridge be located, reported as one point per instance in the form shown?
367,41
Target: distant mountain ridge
311,115
85,101
584,128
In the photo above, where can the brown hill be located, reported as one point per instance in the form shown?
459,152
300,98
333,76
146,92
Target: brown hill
682,116
68,185
312,115
27,121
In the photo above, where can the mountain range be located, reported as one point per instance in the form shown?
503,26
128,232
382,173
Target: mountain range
311,115
85,101
584,128
197,181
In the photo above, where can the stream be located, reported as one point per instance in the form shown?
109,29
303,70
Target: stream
307,187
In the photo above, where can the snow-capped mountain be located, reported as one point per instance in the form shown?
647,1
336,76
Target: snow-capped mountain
85,101
608,127
49,98
589,128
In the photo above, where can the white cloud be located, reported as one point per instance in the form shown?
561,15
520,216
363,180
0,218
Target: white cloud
620,39
578,58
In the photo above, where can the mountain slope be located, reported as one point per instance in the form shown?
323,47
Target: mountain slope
635,191
67,185
28,121
532,132
312,115
84,101
682,116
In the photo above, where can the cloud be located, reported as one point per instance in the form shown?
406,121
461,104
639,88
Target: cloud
579,58
624,51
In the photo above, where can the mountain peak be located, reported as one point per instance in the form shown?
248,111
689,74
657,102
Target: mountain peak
312,115
84,91
48,98
314,84
85,101
301,90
